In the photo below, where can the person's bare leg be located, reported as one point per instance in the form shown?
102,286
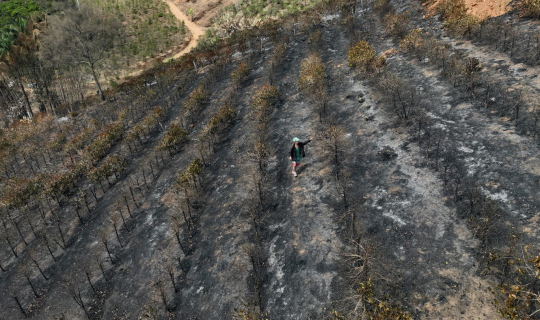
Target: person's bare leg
294,168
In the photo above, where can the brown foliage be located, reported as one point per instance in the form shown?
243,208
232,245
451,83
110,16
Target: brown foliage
363,57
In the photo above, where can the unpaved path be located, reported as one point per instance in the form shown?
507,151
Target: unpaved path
196,30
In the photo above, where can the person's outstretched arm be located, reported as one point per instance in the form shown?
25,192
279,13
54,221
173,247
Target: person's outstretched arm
307,141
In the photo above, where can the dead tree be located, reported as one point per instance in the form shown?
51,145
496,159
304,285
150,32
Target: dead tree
76,205
26,272
115,221
75,293
33,256
170,269
105,241
19,305
11,246
43,236
101,263
27,216
254,254
127,205
335,144
87,272
161,292
19,231
177,227
57,222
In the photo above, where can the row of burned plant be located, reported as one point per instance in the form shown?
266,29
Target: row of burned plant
190,184
463,71
513,267
54,199
264,102
187,185
370,299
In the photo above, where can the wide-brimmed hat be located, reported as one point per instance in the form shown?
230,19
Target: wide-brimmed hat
295,139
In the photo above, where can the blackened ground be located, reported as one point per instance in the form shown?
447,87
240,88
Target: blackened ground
425,250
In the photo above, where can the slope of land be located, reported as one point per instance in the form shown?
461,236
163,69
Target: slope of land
417,187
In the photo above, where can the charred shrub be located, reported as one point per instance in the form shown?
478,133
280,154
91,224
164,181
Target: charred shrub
387,153
456,18
195,102
262,104
240,74
312,75
397,25
173,139
363,57
404,100
382,7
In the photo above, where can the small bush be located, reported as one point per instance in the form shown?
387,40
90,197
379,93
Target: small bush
412,40
456,18
135,134
112,165
382,7
101,145
403,99
240,74
187,179
78,142
219,122
195,167
153,119
58,183
279,53
363,57
312,75
221,118
387,153
397,25
173,139
18,191
314,39
196,101
264,99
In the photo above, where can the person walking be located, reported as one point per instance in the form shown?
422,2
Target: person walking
297,153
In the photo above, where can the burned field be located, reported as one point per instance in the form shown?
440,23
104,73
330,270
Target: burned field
175,200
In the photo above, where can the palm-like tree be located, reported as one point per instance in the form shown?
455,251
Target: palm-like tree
6,39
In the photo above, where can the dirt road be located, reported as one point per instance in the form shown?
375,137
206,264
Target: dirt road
196,31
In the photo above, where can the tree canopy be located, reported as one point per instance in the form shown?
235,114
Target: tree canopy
12,10
13,15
